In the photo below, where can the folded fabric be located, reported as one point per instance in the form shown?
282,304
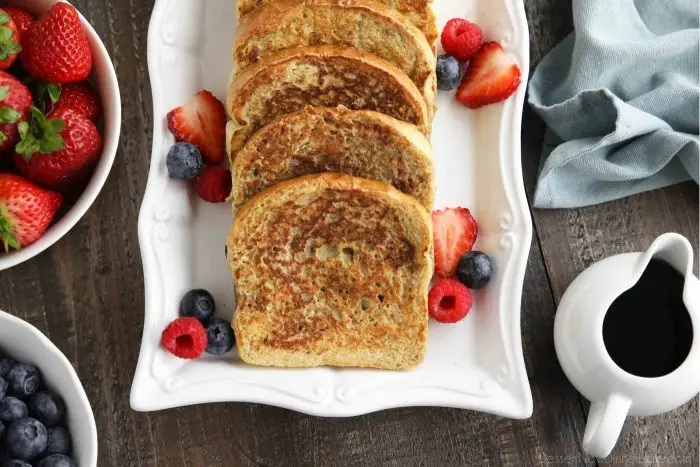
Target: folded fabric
620,98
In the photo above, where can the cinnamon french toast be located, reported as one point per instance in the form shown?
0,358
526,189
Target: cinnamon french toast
419,12
322,139
364,24
324,76
331,269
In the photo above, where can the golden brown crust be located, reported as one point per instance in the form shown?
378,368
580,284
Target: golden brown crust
337,181
319,139
364,24
331,270
419,12
325,76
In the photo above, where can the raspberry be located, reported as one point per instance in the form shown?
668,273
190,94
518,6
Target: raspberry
213,184
449,301
185,338
461,39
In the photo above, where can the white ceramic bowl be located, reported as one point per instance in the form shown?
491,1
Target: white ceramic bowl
25,343
106,80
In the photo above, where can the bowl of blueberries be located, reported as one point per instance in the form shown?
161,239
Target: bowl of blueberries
45,417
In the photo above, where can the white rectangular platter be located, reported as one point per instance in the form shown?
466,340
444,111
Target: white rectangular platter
476,364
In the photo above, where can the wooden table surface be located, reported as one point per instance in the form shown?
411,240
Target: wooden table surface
86,294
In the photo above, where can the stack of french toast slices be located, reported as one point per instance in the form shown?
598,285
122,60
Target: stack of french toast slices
331,105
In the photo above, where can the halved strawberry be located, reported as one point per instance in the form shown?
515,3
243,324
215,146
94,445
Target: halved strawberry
454,233
492,76
202,122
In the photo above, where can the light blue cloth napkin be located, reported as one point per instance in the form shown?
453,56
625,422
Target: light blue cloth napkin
620,98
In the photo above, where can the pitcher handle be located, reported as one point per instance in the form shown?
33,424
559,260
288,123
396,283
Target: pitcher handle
605,420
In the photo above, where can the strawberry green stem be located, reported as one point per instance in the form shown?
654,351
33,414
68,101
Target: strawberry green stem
7,232
8,46
39,135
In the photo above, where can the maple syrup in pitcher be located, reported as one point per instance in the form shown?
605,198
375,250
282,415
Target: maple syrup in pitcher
647,330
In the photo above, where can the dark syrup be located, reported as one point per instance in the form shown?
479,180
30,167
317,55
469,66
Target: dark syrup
647,330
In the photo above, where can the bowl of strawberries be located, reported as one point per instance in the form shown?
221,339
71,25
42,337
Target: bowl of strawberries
60,117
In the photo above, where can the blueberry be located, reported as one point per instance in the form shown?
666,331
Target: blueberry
474,269
3,388
59,441
198,303
57,460
26,439
184,161
24,380
2,432
447,72
47,407
12,409
16,463
219,336
6,364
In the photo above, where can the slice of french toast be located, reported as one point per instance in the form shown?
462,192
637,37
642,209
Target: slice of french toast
323,76
362,143
419,12
364,24
331,269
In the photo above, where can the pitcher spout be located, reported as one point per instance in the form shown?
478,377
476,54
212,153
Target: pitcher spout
676,250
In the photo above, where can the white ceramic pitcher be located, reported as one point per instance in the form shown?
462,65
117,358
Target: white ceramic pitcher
578,339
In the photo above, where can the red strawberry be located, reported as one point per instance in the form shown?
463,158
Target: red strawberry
9,41
213,184
454,233
22,18
15,100
25,211
79,97
202,122
184,338
492,76
461,39
55,48
58,151
449,301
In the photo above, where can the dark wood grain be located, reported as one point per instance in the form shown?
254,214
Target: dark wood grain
86,293
573,239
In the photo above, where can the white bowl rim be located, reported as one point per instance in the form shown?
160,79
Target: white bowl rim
98,178
72,375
